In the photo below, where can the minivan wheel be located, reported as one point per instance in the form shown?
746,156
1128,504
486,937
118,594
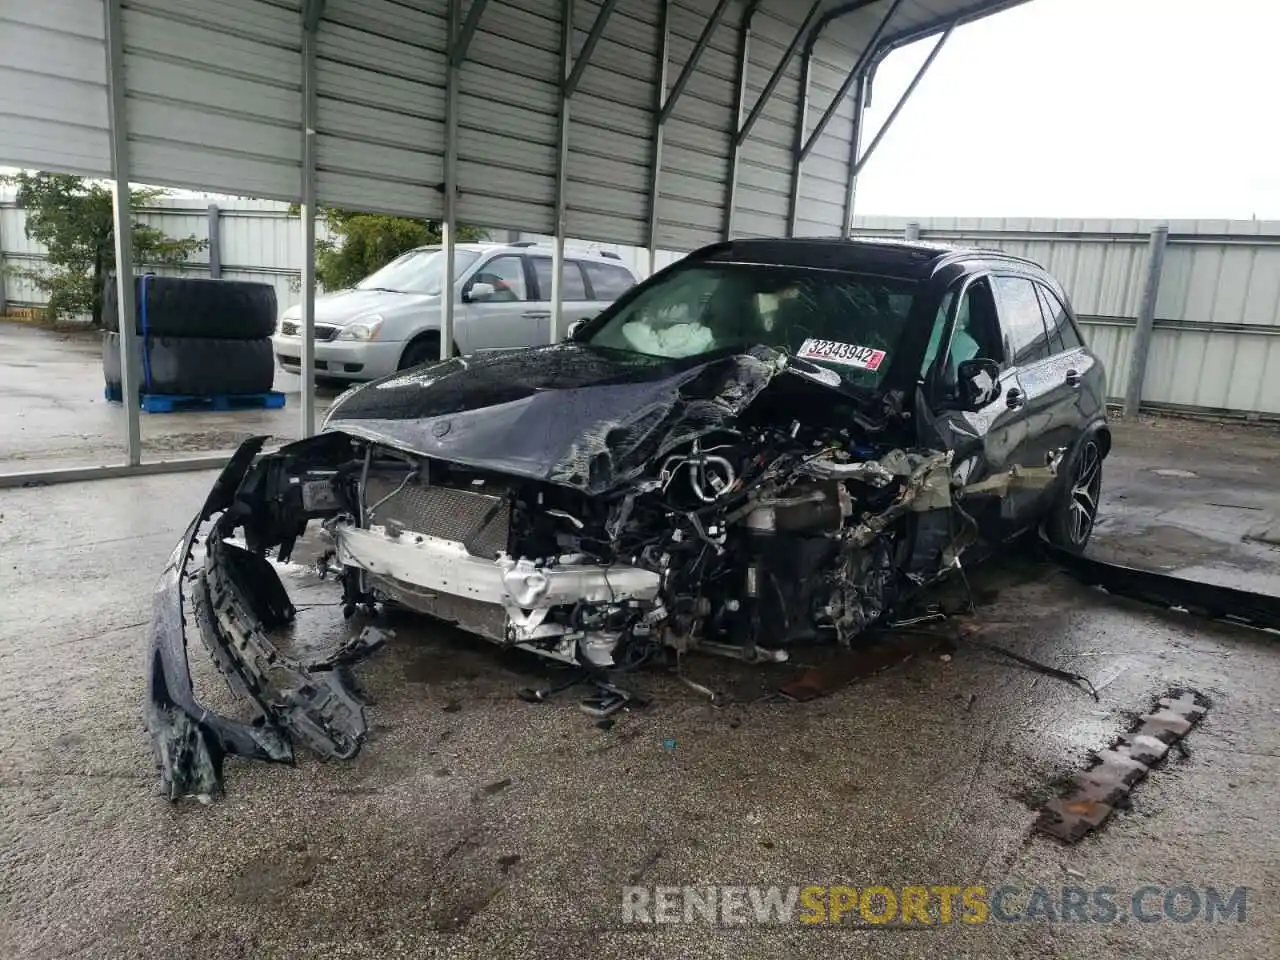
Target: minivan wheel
423,350
1071,520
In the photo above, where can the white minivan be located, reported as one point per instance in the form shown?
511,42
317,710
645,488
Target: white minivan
390,320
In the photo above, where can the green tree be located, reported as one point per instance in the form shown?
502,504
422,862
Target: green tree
364,242
73,218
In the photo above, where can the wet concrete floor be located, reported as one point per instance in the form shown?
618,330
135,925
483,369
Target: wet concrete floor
54,414
476,825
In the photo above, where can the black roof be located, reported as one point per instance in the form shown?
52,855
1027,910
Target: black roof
910,259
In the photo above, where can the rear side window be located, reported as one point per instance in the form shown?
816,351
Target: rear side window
608,282
575,287
1022,320
1062,332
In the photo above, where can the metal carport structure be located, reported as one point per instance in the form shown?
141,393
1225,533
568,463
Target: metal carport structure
657,123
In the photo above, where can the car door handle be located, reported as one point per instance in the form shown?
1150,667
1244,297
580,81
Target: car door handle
537,314
1015,398
1073,378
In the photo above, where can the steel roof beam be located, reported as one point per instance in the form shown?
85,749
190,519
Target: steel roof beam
570,85
778,72
462,42
902,100
864,60
704,38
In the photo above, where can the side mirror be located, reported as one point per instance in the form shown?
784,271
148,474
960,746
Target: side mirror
572,333
478,291
978,383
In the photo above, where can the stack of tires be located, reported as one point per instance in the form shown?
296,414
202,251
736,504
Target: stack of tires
199,338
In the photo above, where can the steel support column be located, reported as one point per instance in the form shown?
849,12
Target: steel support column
902,100
570,77
455,32
660,114
1141,346
562,171
740,107
855,147
130,359
214,225
797,141
311,11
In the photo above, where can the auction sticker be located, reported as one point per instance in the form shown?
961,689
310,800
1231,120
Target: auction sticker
847,354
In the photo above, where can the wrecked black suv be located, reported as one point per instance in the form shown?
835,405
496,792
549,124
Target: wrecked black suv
770,442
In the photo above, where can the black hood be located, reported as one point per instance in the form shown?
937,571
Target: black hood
571,414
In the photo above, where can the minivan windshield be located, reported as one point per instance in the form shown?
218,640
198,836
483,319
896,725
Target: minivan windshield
848,323
418,271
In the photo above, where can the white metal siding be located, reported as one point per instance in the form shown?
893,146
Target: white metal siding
53,86
213,94
1216,343
380,77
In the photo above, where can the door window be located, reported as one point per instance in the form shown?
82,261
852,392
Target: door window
573,287
1062,332
608,282
1022,320
506,273
976,334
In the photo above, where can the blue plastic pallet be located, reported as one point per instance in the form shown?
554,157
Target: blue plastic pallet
180,403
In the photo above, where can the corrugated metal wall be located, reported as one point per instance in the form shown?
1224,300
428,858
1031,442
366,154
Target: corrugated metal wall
213,94
213,101
1216,342
53,85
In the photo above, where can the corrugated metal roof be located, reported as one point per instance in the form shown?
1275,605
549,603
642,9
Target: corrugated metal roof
213,101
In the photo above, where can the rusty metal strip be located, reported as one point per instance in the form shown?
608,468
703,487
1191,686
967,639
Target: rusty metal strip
1093,795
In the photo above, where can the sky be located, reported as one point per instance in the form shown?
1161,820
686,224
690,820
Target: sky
1087,108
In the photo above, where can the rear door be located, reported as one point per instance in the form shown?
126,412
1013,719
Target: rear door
508,319
574,298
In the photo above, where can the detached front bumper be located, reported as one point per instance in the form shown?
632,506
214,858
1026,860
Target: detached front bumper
236,597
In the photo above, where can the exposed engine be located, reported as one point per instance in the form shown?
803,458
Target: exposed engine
739,543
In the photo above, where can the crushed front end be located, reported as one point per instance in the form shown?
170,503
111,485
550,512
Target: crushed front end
735,508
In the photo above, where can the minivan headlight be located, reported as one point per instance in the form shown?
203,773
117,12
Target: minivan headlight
366,328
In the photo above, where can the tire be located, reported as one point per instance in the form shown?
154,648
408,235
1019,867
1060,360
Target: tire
1071,519
111,359
425,349
213,309
198,366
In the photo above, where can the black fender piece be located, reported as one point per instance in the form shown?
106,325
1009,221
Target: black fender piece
1202,599
196,307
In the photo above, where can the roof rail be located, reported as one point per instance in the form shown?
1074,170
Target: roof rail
609,253
523,243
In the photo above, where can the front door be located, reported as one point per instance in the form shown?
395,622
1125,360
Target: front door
507,318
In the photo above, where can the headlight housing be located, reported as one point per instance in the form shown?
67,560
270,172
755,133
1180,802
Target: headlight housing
365,328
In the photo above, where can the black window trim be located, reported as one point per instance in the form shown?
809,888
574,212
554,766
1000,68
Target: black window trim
1066,309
